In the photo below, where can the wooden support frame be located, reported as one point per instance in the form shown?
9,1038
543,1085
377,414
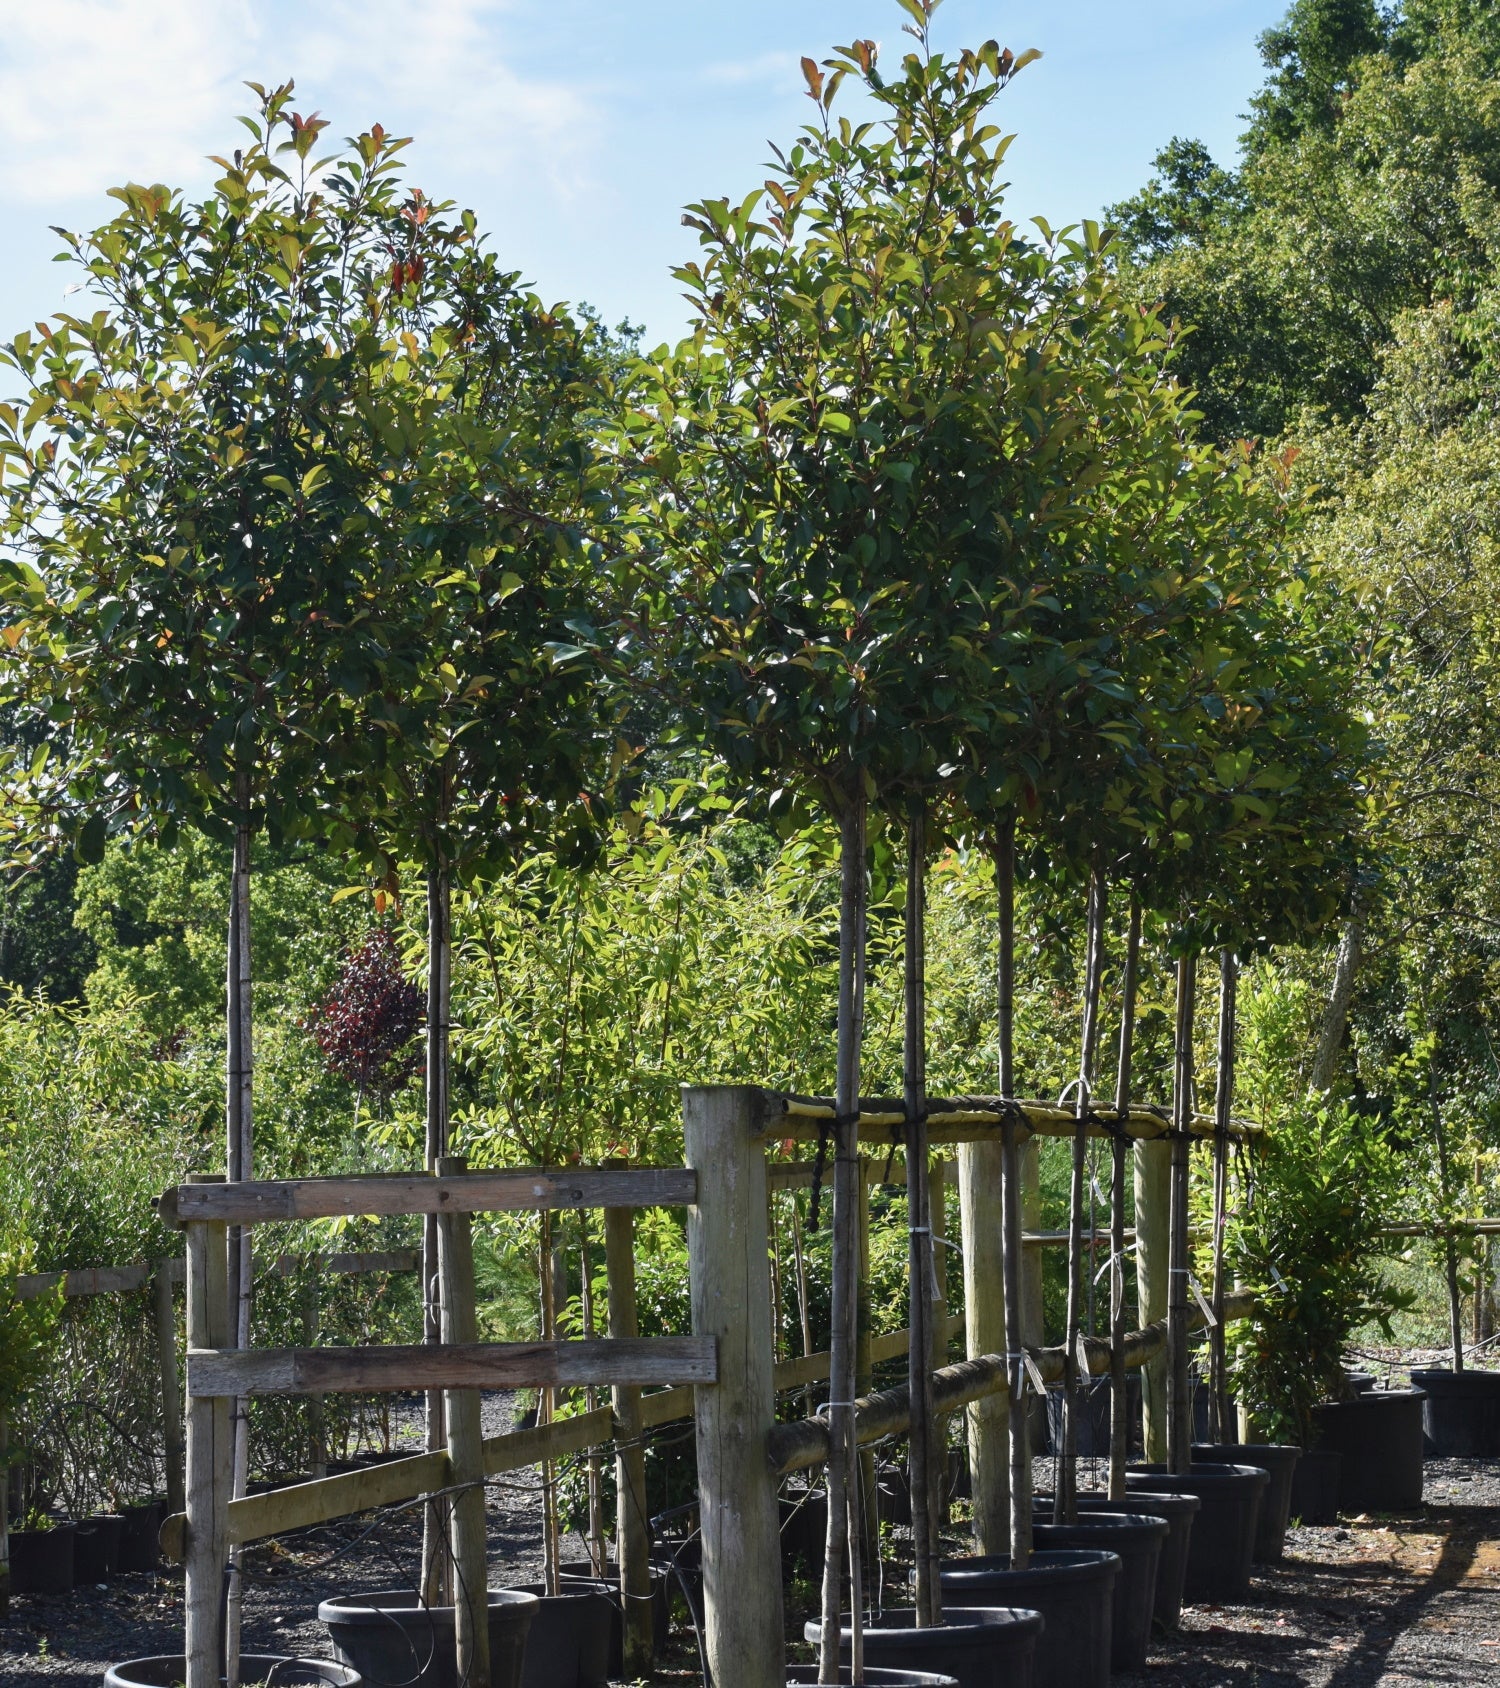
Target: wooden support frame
729,1252
974,1119
398,1368
526,1191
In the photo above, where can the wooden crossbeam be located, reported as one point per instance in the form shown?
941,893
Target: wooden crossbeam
351,1264
527,1190
970,1119
480,1365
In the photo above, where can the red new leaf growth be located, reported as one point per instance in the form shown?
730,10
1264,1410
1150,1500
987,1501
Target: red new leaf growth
366,1025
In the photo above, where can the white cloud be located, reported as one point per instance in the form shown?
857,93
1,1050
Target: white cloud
94,92
778,69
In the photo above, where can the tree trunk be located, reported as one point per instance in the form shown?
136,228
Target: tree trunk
1445,1192
842,1541
1179,1399
920,1443
1119,1419
1221,1413
435,1578
1336,1015
239,1146
1010,1196
1065,1501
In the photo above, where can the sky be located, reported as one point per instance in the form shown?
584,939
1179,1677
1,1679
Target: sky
575,129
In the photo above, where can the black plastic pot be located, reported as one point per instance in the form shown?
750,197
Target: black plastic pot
1137,1538
1315,1486
270,1668
580,1570
573,1634
893,1487
1461,1415
1073,1589
390,1637
1093,1423
804,1528
140,1544
1360,1381
41,1561
1222,1548
96,1547
1171,1569
1380,1436
978,1646
1279,1461
872,1677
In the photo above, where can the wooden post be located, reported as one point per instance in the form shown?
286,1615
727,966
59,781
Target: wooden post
632,1532
982,1233
435,1145
461,1415
1221,1411
171,1385
864,1371
1153,1198
210,1456
312,1320
1119,1427
731,1296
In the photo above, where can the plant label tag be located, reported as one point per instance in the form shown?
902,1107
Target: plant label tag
1034,1372
1083,1356
1203,1306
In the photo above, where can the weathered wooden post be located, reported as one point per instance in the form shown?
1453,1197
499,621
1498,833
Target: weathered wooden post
171,1385
1153,1200
983,1234
1179,1392
632,1533
731,1295
210,1454
937,1325
864,1368
461,1415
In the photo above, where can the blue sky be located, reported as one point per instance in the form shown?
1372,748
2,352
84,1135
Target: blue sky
577,129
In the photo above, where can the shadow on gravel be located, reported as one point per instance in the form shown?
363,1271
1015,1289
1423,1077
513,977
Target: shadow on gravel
1365,1663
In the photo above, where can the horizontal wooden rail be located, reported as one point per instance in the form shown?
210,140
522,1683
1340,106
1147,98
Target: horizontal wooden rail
478,1365
970,1119
792,1447
299,1506
352,1264
1454,1228
531,1190
125,1280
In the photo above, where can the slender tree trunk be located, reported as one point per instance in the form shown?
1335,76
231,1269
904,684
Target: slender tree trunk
920,1443
1010,1197
1179,1399
597,1554
1445,1191
1221,1413
843,1502
554,1279
239,1145
1336,1014
1065,1501
436,1579
1119,1410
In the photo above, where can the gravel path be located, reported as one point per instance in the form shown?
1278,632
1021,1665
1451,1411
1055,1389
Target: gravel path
1373,1603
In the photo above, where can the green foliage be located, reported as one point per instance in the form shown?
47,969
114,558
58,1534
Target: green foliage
27,1329
1308,1247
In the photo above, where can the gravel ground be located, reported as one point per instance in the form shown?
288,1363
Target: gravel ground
1372,1603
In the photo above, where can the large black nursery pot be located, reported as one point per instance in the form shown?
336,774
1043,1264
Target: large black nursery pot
1379,1435
391,1638
871,1677
1222,1548
271,1668
41,1561
1315,1486
96,1548
1461,1415
580,1570
1279,1461
1073,1589
1171,1568
140,1539
978,1646
1093,1421
1137,1538
573,1634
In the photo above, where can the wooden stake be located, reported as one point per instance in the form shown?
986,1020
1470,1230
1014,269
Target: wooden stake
937,1326
437,1587
461,1412
239,1133
597,1555
1119,1408
842,1540
1012,1214
1179,1397
210,1461
1065,1501
920,1444
632,1531
980,1175
171,1385
1221,1411
727,1250
317,1418
864,1379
